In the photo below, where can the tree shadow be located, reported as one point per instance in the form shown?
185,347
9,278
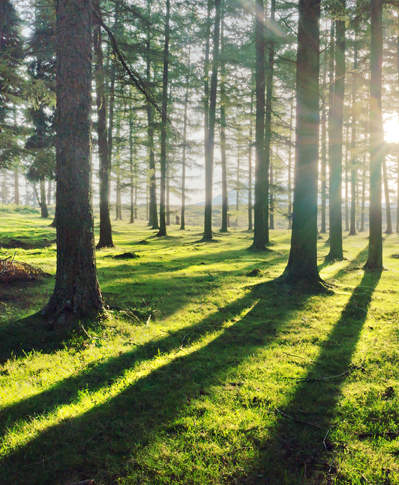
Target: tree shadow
130,421
295,452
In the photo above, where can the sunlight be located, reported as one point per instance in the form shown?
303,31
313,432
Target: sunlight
391,129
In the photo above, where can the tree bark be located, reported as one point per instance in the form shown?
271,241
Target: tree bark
43,204
302,263
386,194
183,181
352,231
250,168
131,167
290,166
335,146
209,151
223,103
76,293
259,241
162,203
374,261
101,102
323,155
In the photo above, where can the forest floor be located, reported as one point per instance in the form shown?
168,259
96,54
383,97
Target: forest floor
202,370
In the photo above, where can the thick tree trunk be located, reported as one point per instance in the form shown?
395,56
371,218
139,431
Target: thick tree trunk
101,102
335,146
260,172
162,203
76,293
209,151
352,231
374,261
302,263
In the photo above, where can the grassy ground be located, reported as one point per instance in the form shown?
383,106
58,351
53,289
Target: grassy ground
233,379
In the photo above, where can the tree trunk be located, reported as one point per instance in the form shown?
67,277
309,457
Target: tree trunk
162,219
260,172
323,155
223,103
118,195
16,184
290,166
131,167
183,181
153,214
209,151
49,192
76,293
374,261
363,197
250,168
302,263
346,180
101,102
271,224
238,181
43,204
386,194
268,123
352,231
335,146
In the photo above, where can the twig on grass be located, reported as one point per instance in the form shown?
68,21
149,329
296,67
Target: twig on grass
324,440
318,378
298,420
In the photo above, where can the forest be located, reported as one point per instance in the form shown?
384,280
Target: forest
199,242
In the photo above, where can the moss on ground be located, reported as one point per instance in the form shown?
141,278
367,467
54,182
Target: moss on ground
202,369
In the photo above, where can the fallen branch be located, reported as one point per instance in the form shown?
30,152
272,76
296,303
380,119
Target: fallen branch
298,420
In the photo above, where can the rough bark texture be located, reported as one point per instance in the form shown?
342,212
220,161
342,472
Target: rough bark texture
250,170
162,203
374,261
260,178
302,263
76,291
101,102
209,152
335,148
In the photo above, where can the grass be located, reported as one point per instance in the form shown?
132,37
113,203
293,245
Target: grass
233,380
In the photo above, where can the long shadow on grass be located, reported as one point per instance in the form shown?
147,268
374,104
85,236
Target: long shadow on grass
296,454
30,334
99,442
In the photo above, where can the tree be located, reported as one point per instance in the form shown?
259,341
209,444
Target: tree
335,144
101,102
260,176
77,292
374,261
302,263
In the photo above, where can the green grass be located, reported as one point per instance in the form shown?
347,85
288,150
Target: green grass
223,385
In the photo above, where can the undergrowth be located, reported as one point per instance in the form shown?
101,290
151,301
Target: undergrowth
201,369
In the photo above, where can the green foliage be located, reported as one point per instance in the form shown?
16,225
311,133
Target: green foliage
233,379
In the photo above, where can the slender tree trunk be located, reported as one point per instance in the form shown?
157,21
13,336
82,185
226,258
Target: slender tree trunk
374,261
386,194
346,180
302,263
49,192
271,215
335,155
323,157
259,241
352,231
363,197
43,204
153,214
183,181
168,194
268,122
76,292
118,203
162,218
101,102
250,168
16,184
331,90
131,167
397,183
223,103
290,166
209,152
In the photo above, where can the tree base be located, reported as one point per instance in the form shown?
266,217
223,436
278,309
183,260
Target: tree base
311,284
371,266
101,245
331,258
